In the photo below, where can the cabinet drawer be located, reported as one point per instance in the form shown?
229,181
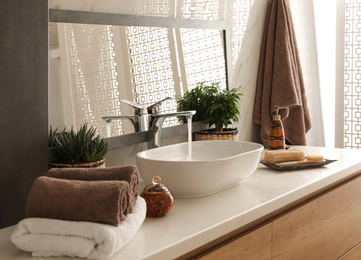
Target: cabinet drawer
254,245
325,228
353,254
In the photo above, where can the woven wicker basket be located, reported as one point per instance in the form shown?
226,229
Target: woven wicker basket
230,134
97,164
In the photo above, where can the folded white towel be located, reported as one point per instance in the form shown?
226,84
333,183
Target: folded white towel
51,237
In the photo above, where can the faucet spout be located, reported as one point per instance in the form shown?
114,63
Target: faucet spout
155,128
180,113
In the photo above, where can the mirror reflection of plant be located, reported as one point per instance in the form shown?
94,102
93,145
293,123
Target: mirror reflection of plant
212,104
81,146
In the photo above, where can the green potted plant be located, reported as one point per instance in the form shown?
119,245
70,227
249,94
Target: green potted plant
213,106
82,148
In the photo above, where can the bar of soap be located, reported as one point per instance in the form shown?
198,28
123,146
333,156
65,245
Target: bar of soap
315,158
278,156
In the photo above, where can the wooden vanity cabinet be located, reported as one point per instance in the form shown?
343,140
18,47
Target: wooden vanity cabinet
325,227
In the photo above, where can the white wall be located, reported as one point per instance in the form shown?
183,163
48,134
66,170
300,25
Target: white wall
339,71
304,22
325,24
246,75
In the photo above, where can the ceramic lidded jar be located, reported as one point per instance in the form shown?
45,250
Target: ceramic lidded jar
158,197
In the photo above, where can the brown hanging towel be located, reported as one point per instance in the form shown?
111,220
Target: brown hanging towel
280,81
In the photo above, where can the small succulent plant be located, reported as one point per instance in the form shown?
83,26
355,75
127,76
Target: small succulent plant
78,146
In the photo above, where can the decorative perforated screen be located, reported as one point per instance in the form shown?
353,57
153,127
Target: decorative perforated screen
352,78
241,9
92,75
203,56
151,67
150,7
201,9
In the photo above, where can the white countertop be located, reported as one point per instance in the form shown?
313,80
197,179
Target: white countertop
194,222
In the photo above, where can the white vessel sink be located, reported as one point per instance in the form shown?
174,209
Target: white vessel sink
214,166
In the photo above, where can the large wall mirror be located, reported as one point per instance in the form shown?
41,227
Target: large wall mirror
98,59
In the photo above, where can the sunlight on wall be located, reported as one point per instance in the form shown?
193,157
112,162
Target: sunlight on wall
304,22
325,24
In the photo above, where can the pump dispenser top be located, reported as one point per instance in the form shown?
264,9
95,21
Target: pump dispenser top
277,136
276,116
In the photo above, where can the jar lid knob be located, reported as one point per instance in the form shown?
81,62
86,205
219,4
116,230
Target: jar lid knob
156,180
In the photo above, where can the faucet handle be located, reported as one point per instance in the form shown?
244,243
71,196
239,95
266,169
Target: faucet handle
155,108
138,109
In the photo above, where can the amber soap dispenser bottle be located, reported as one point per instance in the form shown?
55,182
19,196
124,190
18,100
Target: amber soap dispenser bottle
277,135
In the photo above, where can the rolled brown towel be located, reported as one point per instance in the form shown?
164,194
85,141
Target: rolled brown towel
97,201
122,173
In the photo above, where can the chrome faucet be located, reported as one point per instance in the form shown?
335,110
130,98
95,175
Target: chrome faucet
155,131
139,120
149,119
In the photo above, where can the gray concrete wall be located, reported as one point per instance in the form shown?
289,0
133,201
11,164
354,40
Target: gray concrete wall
23,102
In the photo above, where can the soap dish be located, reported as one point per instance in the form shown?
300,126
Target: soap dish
297,167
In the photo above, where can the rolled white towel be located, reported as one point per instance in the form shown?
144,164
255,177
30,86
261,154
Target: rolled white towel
51,237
